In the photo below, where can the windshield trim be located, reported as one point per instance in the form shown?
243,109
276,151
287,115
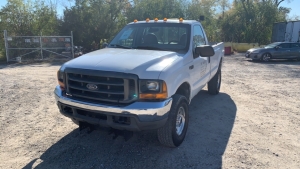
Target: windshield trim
163,47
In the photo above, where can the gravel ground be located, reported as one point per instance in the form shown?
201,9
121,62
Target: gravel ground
253,123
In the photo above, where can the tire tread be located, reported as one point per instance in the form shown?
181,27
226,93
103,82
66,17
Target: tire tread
164,134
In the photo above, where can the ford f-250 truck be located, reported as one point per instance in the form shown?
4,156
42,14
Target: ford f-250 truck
144,79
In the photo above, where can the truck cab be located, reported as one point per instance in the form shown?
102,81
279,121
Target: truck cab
144,79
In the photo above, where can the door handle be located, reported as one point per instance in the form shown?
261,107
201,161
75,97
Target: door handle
191,67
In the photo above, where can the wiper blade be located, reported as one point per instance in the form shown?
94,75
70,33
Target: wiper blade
148,48
120,46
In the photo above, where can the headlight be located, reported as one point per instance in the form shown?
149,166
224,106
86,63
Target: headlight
60,78
149,86
153,89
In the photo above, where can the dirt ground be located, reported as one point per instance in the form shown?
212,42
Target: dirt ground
253,123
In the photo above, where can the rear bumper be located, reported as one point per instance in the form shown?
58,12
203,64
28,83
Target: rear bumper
134,117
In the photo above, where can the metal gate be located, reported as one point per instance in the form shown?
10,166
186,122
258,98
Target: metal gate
27,48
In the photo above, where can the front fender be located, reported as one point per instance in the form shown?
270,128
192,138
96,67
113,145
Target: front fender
174,76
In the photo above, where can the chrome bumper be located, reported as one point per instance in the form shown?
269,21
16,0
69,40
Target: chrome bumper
142,111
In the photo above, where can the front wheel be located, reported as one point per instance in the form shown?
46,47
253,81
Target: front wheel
266,57
214,84
173,132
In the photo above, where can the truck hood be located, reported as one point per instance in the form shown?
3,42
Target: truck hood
144,63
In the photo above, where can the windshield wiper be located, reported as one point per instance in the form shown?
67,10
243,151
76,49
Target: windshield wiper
148,48
120,46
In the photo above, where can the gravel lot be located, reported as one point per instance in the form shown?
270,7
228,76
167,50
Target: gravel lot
253,123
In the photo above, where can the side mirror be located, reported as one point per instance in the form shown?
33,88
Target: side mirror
205,51
276,47
104,45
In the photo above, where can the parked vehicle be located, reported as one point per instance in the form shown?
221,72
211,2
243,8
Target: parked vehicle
78,51
286,31
144,79
277,50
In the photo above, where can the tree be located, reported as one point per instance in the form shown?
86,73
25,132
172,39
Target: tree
93,20
252,20
28,18
142,9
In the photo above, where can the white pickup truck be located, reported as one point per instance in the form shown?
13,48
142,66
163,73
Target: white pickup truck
144,79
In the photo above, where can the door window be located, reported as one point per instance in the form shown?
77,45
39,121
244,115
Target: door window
295,45
198,39
284,45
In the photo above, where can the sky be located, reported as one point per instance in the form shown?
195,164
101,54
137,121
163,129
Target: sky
294,5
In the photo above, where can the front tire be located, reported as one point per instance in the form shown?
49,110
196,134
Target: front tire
214,84
266,57
173,132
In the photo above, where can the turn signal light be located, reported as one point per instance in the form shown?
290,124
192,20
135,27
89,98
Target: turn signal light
61,85
154,96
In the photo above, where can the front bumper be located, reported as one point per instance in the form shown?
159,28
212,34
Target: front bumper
254,56
134,117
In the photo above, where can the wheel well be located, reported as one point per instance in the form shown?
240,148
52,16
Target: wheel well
267,53
184,90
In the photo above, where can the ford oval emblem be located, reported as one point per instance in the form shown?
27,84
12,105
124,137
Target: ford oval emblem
92,86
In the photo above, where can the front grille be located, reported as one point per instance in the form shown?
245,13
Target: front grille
101,87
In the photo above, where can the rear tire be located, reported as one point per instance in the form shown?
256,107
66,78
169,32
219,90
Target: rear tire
214,84
173,132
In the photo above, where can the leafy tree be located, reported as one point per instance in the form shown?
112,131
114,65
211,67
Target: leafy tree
28,18
142,9
93,20
251,20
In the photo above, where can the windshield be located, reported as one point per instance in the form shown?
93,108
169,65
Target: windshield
272,45
154,36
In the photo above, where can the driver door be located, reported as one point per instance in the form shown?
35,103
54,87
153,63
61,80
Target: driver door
201,65
282,52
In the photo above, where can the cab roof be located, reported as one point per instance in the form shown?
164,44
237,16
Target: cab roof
168,21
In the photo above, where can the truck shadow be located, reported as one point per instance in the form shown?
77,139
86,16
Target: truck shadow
211,122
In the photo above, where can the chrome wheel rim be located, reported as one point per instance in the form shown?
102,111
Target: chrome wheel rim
180,120
266,57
